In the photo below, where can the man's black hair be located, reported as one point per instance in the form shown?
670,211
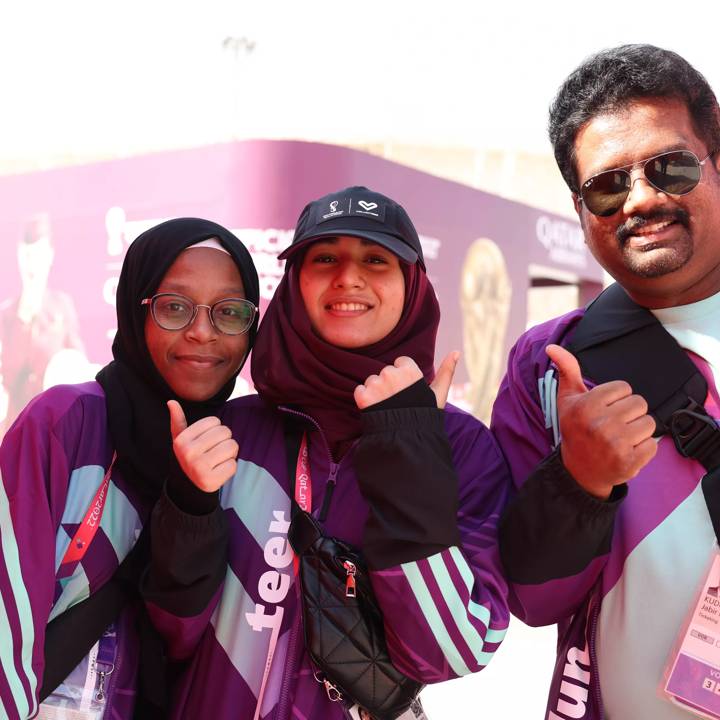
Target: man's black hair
611,80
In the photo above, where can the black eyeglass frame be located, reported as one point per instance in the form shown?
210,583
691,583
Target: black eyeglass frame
151,302
627,170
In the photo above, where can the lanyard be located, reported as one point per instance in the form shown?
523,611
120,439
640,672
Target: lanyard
303,497
90,523
303,481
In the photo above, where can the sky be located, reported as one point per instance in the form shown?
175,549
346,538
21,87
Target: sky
93,77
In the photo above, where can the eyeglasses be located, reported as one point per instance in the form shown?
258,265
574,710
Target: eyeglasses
677,173
231,316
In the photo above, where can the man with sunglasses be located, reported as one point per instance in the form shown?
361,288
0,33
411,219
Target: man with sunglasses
609,535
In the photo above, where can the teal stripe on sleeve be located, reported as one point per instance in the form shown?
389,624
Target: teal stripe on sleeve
458,610
11,556
541,395
495,636
554,412
431,614
475,609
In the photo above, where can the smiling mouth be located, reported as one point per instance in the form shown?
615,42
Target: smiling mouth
653,228
352,307
652,235
198,361
644,231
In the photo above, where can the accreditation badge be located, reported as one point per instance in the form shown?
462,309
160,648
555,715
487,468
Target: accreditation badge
692,675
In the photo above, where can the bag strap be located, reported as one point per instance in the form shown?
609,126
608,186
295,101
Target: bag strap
617,339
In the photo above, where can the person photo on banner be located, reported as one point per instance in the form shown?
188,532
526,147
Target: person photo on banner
37,324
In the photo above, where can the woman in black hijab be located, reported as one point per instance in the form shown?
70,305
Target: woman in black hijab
84,465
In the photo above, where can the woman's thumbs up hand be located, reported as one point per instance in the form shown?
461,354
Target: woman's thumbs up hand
205,450
403,373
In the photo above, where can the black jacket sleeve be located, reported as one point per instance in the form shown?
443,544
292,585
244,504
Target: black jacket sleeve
554,529
405,473
189,540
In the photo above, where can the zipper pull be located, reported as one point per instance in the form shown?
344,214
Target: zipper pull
100,695
332,692
102,674
329,489
350,569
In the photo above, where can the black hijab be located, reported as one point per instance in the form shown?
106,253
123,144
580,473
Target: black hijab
135,391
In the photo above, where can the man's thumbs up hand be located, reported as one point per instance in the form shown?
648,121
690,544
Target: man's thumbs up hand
606,431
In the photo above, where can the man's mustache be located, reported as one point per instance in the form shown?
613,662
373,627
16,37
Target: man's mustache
636,222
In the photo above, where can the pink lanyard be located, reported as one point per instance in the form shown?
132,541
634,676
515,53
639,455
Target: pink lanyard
303,481
303,497
90,523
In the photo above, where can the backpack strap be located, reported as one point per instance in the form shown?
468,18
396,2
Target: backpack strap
617,339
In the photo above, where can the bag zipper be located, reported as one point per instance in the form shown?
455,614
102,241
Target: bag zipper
350,569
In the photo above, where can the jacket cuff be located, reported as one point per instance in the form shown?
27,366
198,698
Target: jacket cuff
187,496
418,394
422,419
553,528
553,471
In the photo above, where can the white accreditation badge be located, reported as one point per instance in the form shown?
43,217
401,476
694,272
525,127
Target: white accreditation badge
692,675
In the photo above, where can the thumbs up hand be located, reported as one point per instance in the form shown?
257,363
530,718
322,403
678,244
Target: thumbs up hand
391,380
606,432
443,378
205,451
401,375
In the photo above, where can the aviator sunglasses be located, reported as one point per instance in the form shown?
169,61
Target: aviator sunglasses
676,173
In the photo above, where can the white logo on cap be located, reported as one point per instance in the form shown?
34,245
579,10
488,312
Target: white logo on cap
334,212
368,208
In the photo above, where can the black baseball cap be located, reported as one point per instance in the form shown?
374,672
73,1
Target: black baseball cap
362,213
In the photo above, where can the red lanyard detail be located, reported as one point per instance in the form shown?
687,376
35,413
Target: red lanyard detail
90,523
303,481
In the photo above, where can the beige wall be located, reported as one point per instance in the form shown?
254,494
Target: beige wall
529,178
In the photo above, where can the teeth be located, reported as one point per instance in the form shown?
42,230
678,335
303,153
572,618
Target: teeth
348,307
655,227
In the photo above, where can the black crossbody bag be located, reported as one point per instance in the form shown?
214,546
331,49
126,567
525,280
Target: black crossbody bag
342,623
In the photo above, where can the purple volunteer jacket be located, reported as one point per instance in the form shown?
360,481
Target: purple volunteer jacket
52,462
431,511
617,576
